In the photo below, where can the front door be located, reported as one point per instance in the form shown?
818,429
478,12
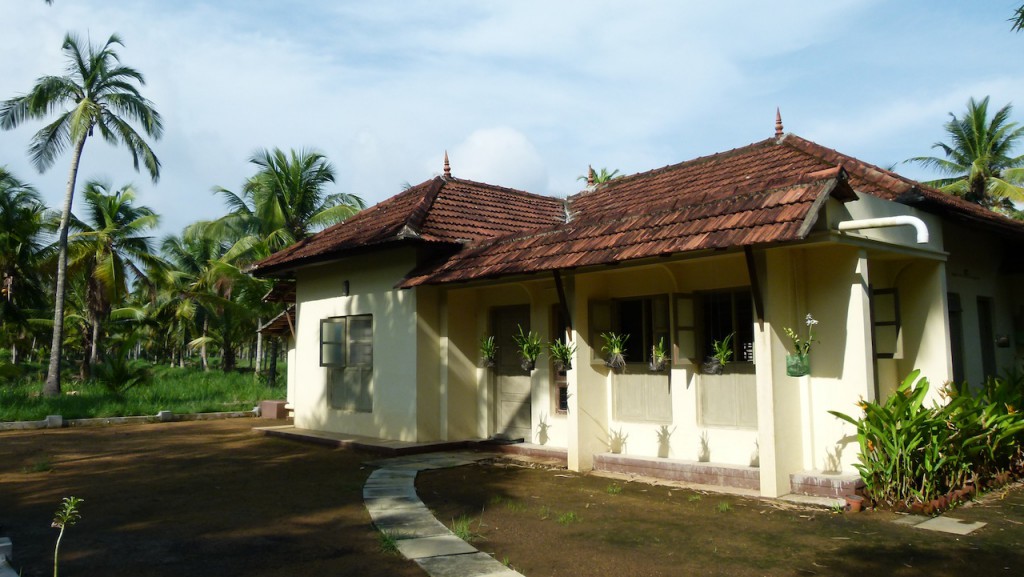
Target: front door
512,383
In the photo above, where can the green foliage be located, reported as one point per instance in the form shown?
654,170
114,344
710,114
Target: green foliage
613,489
40,464
528,344
801,346
614,349
463,529
562,352
388,542
172,389
488,350
724,507
119,373
723,349
65,517
910,453
659,354
567,518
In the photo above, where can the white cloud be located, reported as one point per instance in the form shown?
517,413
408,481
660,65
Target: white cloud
499,155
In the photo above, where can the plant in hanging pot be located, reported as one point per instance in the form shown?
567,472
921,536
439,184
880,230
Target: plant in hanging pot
720,356
798,363
659,357
614,350
488,351
529,345
561,352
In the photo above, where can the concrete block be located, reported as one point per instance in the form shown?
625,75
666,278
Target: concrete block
433,546
6,548
165,416
54,421
273,409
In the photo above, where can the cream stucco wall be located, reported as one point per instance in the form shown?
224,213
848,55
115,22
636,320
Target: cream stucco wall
371,280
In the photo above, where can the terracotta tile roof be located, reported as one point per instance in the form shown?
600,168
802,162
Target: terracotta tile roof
282,324
766,192
440,210
745,214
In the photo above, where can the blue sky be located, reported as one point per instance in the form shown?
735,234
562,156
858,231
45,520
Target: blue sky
523,94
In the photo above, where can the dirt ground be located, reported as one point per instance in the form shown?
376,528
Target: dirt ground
545,522
213,499
199,499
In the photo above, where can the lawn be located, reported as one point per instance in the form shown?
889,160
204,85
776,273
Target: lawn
179,390
212,498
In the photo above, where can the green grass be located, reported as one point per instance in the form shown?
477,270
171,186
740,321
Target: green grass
463,529
39,465
172,389
388,542
724,507
613,489
566,518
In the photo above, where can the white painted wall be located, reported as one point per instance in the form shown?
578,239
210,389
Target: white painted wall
371,278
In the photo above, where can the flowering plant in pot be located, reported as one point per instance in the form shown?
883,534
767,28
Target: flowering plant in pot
798,364
529,345
614,349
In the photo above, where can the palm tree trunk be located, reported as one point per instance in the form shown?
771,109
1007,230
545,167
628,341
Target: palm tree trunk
272,371
202,350
52,386
259,349
94,353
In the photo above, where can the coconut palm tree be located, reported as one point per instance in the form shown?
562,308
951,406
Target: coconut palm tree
600,176
285,201
979,159
1018,19
98,92
22,225
110,247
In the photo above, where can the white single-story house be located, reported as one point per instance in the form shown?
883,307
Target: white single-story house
392,304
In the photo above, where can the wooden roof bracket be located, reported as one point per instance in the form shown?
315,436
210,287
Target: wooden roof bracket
563,303
755,285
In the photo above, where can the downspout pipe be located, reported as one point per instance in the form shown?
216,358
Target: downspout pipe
887,221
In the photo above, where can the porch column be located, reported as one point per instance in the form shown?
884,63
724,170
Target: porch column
587,420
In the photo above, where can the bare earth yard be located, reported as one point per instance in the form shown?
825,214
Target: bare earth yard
211,498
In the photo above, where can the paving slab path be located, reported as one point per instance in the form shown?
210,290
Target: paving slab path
391,499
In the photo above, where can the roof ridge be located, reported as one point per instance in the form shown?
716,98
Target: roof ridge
419,213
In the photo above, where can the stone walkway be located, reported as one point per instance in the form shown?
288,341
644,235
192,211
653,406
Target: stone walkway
390,497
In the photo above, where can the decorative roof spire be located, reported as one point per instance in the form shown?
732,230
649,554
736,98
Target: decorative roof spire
590,176
447,166
778,123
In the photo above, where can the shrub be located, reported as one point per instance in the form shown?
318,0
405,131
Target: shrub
911,453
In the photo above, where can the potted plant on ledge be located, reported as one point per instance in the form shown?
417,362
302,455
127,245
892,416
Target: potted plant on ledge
659,357
721,353
798,363
529,345
614,350
561,352
488,351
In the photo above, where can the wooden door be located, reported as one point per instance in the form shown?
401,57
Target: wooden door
513,384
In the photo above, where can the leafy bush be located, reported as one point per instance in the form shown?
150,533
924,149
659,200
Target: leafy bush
911,453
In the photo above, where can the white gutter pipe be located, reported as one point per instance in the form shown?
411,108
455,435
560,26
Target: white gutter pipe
903,220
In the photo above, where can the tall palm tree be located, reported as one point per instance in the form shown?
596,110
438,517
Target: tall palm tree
285,201
599,176
979,158
98,92
110,247
22,224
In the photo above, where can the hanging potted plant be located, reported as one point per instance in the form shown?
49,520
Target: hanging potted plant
659,357
529,345
721,353
614,350
798,363
488,351
562,352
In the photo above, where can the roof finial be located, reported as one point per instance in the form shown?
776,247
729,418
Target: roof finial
778,122
447,166
590,176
